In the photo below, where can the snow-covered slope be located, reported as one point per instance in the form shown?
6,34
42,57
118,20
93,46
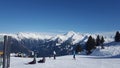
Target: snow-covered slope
111,49
68,62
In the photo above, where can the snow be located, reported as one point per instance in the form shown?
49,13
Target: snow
68,62
33,36
100,58
26,35
62,37
77,38
111,49
74,37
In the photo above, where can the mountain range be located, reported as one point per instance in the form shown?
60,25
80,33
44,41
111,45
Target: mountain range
45,44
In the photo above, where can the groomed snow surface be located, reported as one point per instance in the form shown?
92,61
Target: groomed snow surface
111,49
68,62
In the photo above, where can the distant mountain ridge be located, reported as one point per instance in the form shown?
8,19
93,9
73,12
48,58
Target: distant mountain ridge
45,44
71,34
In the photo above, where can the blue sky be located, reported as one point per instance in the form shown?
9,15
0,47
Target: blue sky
85,16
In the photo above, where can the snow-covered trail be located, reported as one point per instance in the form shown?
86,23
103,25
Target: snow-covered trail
67,62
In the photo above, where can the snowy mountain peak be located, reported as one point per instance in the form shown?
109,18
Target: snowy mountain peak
70,33
22,35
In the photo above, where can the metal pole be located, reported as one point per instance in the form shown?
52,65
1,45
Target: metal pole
4,52
8,51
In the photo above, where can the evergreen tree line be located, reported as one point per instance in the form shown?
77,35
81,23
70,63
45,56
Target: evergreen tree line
117,37
92,43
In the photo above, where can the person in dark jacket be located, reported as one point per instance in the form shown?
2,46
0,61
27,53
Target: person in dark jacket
74,55
54,54
42,60
34,59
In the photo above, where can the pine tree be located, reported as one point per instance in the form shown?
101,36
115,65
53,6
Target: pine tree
117,37
78,48
94,43
102,41
90,44
98,41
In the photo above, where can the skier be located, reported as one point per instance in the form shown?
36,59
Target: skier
74,55
54,54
